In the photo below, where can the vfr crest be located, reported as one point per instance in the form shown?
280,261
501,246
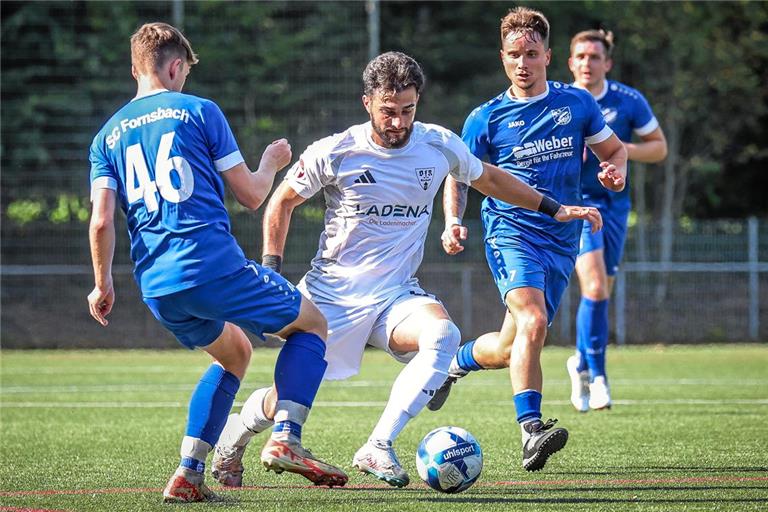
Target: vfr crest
561,116
425,175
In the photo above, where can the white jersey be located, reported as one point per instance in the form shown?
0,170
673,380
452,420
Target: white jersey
378,207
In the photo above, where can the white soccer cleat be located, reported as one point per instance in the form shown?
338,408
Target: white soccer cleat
227,465
187,486
579,384
379,459
599,394
289,455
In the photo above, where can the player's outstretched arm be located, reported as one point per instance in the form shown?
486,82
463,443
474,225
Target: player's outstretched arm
497,183
101,234
613,163
252,188
277,220
454,204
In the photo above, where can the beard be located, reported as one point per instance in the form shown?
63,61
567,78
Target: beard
392,140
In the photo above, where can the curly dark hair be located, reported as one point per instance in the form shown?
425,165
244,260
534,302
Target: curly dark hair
392,72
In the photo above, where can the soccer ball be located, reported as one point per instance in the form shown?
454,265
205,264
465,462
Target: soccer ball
449,459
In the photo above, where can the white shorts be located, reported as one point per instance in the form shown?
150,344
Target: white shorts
352,327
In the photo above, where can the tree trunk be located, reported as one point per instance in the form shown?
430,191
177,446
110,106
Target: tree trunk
672,130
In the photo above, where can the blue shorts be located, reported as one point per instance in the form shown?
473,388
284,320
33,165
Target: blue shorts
254,298
610,239
515,263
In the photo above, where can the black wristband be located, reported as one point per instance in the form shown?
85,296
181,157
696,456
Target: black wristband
549,206
272,262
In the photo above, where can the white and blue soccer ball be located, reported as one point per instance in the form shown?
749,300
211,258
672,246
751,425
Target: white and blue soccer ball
449,459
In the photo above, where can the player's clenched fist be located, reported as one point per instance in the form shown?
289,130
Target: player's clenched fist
276,156
587,213
452,237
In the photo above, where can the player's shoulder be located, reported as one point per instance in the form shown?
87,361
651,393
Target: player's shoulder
484,110
430,132
338,143
569,92
624,91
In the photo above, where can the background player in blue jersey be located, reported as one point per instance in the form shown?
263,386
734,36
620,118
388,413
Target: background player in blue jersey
626,111
535,130
165,158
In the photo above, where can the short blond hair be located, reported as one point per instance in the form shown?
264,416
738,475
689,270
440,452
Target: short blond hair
524,19
153,44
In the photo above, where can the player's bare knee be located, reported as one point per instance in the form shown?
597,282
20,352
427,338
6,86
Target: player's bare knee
532,324
595,289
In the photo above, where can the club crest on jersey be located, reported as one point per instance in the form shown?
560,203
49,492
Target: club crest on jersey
561,116
609,114
425,175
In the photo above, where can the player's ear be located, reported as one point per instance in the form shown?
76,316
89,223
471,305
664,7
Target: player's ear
134,72
367,103
608,64
548,55
176,67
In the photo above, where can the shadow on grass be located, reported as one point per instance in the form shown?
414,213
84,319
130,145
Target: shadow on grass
686,470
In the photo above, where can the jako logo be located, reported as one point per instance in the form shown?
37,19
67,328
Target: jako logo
516,124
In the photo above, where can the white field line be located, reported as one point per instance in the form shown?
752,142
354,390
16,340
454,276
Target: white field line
323,404
102,388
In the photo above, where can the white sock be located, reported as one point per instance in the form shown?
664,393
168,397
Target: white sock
420,378
194,448
240,428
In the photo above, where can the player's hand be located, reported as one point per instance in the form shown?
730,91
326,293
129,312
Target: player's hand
276,156
610,178
452,237
587,213
100,302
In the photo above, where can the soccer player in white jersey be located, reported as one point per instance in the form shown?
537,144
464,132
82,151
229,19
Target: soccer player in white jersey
626,111
165,159
535,130
379,180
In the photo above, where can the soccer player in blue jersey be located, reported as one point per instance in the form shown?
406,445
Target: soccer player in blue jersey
626,111
165,159
536,131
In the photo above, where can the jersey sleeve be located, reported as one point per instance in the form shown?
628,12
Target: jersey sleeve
464,166
221,141
312,172
103,174
596,130
643,120
475,133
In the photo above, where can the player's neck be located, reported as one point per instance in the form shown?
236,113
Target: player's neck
537,90
149,84
598,90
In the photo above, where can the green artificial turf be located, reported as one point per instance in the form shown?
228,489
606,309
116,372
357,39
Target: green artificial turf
100,431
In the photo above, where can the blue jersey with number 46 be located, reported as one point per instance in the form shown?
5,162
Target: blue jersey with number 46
163,155
541,141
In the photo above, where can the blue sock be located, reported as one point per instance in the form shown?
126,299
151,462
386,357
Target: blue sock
210,404
528,405
300,367
592,334
465,359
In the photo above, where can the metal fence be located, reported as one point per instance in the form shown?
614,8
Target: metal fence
714,289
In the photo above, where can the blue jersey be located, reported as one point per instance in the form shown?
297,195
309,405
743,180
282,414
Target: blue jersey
539,140
626,111
163,155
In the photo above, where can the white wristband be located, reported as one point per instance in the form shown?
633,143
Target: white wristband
451,220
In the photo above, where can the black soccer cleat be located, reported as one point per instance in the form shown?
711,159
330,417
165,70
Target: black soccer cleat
542,443
441,394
